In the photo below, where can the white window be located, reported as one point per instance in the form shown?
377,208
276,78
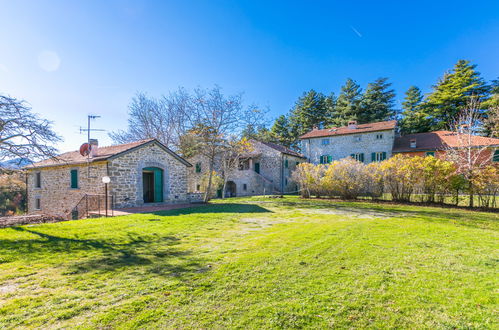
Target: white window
325,142
358,156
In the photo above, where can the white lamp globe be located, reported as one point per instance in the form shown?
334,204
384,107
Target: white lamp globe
106,179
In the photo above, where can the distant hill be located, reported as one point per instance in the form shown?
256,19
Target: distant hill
15,164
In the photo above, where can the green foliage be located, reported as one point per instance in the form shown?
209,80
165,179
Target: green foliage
255,263
12,192
453,92
414,117
377,102
309,111
348,103
280,132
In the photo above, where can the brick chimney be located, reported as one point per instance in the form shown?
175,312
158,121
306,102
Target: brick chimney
413,143
94,143
352,124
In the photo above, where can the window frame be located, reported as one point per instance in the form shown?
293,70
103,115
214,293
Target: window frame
429,154
38,180
325,142
495,156
38,203
245,187
71,171
198,167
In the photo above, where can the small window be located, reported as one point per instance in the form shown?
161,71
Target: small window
378,156
74,179
357,138
379,136
245,186
286,182
495,157
243,165
38,203
286,164
358,156
198,187
297,163
38,180
430,153
325,142
325,159
198,167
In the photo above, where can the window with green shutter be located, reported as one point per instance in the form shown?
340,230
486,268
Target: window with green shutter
198,167
74,178
378,156
286,164
329,159
495,158
430,153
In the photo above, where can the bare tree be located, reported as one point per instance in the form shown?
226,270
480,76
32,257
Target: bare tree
492,121
24,134
165,119
469,157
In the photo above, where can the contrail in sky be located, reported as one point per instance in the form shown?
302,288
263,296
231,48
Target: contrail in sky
356,32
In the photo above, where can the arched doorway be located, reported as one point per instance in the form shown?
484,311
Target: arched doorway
230,189
152,184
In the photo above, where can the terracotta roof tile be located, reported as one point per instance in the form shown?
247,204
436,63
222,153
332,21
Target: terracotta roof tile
74,157
361,128
438,140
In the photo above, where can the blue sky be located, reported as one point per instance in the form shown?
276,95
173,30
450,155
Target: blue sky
72,58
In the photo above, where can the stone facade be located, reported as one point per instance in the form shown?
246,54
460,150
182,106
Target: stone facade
274,177
379,143
55,195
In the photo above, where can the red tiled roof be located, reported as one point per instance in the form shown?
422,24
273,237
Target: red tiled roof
103,153
282,149
361,128
438,140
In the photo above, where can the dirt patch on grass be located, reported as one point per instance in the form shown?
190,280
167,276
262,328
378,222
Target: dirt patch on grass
8,288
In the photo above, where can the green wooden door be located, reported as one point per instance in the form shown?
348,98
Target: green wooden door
158,185
257,168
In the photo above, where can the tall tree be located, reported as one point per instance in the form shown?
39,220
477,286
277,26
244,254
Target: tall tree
348,103
377,102
414,118
331,111
280,132
453,92
491,125
309,111
23,134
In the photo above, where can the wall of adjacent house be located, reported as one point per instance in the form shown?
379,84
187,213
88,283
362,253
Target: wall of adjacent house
56,195
274,175
343,146
126,170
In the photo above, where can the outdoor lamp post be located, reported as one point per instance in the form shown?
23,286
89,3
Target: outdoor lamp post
105,180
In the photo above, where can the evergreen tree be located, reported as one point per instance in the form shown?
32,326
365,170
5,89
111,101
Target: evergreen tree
377,102
280,132
453,92
309,111
331,111
491,126
348,103
414,118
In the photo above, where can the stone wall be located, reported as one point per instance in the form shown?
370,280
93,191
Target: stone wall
56,195
125,172
58,198
274,176
343,146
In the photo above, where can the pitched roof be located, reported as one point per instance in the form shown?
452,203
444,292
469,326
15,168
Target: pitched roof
361,128
103,153
282,149
438,140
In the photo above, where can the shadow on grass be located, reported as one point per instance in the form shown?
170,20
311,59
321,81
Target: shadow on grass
153,254
429,213
215,208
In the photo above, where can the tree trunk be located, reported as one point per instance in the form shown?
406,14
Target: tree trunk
223,189
207,195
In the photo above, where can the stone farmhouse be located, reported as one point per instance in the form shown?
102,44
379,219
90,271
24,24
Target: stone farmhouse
140,172
265,169
365,142
437,143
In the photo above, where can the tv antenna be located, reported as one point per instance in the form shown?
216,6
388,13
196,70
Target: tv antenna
89,129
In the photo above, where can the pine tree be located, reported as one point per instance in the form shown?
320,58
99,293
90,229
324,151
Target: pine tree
453,92
491,123
414,118
348,103
331,111
309,111
377,102
280,132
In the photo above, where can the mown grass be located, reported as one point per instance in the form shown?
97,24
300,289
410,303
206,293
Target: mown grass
253,263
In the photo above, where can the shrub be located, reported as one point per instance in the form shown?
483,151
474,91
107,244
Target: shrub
346,178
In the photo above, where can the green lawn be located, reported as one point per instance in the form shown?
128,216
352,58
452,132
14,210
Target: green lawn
253,263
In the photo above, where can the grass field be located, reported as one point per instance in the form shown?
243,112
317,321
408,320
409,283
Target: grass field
253,263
